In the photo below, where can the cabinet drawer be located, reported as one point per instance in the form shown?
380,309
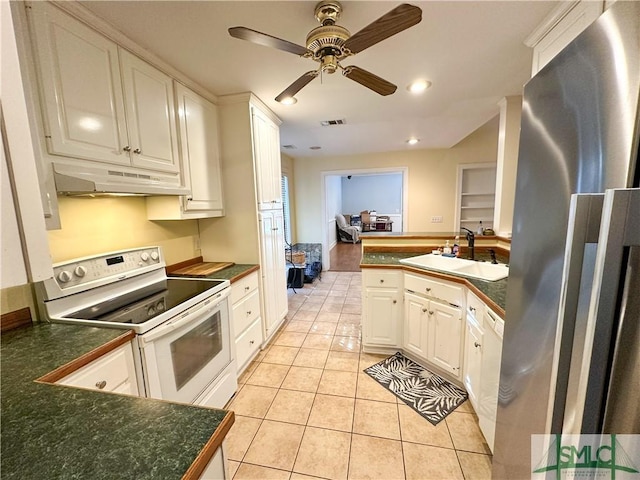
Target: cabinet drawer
242,287
382,278
442,291
245,312
248,343
476,308
109,373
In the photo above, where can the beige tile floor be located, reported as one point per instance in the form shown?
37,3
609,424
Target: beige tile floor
305,410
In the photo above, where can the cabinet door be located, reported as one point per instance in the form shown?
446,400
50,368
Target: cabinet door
81,88
150,111
383,310
266,144
473,361
273,267
200,150
444,337
416,323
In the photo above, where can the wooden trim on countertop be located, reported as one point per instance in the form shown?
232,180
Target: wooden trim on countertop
449,278
246,273
186,263
208,451
16,319
68,368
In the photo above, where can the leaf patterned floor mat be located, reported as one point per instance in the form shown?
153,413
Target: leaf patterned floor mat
429,394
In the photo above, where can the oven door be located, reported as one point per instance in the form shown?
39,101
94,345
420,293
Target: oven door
181,357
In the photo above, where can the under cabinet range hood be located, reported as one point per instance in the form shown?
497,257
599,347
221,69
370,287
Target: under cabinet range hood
89,180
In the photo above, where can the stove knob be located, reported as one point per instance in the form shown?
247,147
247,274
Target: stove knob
160,306
151,311
64,276
80,271
144,256
154,256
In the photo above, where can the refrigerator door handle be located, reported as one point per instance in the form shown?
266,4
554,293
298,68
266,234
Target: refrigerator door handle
585,212
620,228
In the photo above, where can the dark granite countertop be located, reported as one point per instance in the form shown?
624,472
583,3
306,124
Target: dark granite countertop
52,431
495,292
234,272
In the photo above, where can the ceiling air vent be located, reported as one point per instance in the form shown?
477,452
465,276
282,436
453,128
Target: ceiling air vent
329,123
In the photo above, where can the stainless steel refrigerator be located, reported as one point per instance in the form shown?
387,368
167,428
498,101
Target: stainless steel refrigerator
571,351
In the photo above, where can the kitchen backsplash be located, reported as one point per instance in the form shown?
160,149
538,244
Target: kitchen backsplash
98,225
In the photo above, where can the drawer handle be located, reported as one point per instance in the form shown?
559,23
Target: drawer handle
126,148
249,313
428,289
137,151
246,289
381,280
101,384
476,344
424,310
252,342
430,312
472,309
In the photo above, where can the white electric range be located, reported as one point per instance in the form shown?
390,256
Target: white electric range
183,345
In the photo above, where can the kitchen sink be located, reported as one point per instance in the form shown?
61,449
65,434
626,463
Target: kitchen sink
459,266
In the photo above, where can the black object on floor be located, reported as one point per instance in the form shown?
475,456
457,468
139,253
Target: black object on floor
312,271
429,394
295,277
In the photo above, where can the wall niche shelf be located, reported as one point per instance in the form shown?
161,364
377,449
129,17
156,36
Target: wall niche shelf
475,198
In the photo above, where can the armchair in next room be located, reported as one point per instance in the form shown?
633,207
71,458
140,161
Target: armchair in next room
346,232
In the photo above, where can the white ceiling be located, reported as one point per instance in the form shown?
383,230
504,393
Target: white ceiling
472,52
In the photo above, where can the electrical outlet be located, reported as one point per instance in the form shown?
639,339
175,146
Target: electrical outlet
196,243
437,219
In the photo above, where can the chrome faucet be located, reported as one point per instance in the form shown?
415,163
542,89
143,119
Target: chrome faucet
492,252
471,238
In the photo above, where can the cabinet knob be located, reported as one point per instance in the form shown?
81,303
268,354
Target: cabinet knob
424,310
381,280
189,199
476,344
428,289
138,151
395,301
430,312
101,384
248,312
126,148
252,342
246,289
472,309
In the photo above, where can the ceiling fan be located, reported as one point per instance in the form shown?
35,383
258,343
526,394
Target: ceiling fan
329,43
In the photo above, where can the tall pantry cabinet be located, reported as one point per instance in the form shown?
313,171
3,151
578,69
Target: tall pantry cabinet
252,230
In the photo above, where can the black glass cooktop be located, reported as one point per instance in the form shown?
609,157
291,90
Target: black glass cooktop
142,305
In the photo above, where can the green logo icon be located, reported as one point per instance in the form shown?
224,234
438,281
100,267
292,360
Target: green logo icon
596,454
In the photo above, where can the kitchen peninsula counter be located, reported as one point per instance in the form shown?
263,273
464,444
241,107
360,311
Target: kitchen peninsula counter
493,293
53,431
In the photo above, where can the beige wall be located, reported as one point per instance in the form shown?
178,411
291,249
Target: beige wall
99,225
432,180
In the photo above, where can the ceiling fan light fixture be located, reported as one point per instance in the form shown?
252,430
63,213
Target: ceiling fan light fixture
418,86
288,101
413,141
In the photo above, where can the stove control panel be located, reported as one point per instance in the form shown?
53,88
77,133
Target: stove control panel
101,267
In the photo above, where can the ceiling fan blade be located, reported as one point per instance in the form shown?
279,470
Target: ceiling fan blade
244,33
395,21
369,80
296,86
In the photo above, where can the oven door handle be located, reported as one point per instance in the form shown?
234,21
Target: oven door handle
186,317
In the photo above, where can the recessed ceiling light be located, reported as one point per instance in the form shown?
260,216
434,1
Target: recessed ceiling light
288,100
315,147
413,141
418,86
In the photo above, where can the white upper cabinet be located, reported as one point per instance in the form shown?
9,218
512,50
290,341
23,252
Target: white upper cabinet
151,119
100,102
266,139
200,153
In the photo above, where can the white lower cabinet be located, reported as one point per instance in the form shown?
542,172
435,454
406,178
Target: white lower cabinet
216,468
246,319
472,375
445,337
112,372
382,302
416,324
